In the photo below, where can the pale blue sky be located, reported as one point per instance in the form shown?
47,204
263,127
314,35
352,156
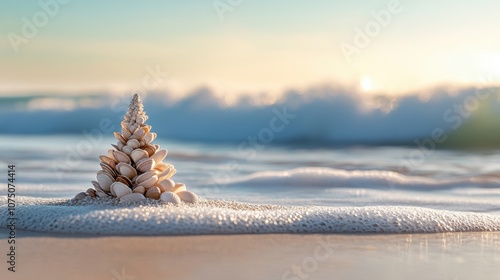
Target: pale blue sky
259,45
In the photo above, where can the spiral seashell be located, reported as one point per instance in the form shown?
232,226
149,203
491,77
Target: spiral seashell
134,168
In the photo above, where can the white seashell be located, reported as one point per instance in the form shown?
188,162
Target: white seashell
161,166
150,149
134,143
110,154
159,155
154,193
143,177
121,156
169,172
179,187
126,133
138,154
120,189
126,170
150,136
166,185
150,182
170,197
140,132
127,149
145,164
105,181
139,189
132,197
187,196
140,120
91,192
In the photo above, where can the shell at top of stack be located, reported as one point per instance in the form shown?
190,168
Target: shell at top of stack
134,169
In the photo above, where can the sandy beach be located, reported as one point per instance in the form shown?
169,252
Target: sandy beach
279,256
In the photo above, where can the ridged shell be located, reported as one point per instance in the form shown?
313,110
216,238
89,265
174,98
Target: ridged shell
154,193
140,120
161,166
169,172
159,155
110,161
119,189
134,143
121,156
143,177
132,197
105,181
170,197
145,164
140,132
125,180
120,138
126,133
150,182
139,189
138,154
107,168
126,170
150,149
150,136
188,196
166,185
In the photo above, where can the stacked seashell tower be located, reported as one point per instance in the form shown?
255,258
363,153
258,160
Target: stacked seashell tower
134,170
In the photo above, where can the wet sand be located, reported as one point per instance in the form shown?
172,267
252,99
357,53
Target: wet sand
277,256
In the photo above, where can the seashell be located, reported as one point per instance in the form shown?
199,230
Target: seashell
150,182
80,196
120,138
145,164
170,197
101,194
105,181
91,192
154,193
134,143
132,197
119,189
150,149
187,196
127,149
121,156
150,136
166,185
139,189
120,146
126,133
134,169
126,170
107,168
161,166
138,154
169,172
140,132
125,180
159,155
179,187
140,120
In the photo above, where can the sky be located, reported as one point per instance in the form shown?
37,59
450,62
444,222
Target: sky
235,46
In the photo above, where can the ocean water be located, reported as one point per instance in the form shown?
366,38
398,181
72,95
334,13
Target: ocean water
274,188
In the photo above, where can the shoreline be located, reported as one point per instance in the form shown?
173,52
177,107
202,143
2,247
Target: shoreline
256,256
